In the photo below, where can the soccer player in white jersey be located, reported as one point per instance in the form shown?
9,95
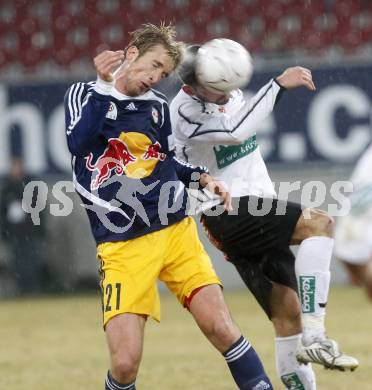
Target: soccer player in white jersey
218,130
353,234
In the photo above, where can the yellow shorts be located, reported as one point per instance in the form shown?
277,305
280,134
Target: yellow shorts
130,269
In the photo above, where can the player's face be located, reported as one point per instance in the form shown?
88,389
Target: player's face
143,72
211,97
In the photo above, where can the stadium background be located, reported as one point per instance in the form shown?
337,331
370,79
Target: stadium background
47,45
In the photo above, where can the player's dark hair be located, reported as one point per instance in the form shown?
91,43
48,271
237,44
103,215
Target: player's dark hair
186,70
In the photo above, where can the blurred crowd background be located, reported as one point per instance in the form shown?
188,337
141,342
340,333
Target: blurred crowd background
45,45
58,38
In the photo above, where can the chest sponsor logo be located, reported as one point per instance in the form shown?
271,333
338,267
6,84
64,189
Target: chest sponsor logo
112,112
132,154
226,155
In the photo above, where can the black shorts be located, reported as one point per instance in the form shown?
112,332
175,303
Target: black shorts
256,239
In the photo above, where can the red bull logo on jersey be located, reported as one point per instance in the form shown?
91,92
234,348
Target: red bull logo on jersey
116,157
153,152
132,154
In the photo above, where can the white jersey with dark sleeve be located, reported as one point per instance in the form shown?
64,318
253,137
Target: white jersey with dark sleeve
223,138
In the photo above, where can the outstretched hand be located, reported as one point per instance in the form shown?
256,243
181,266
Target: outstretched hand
217,187
106,62
296,76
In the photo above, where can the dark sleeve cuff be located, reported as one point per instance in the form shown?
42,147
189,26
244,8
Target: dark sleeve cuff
281,86
280,93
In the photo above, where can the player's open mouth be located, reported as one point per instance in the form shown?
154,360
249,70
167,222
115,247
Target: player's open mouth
145,86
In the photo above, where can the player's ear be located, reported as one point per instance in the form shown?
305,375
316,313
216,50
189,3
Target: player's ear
132,53
189,90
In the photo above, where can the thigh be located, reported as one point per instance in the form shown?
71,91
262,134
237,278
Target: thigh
129,270
125,334
259,273
187,266
252,233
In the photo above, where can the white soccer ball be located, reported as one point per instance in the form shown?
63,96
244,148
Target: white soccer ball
222,65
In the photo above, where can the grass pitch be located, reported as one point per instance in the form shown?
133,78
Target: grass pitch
58,344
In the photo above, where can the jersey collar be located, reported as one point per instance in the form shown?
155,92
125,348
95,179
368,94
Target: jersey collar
120,96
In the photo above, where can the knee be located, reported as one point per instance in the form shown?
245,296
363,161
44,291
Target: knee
222,330
369,286
319,223
125,366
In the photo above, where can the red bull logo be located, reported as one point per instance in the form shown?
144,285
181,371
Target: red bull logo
153,152
132,154
116,157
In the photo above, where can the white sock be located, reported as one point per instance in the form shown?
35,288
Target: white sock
313,277
313,329
293,374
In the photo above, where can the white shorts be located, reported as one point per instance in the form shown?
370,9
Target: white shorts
353,238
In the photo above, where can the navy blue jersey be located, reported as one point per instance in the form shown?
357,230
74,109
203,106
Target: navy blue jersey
124,167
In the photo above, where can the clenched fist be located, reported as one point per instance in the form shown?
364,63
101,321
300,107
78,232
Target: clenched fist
106,62
296,76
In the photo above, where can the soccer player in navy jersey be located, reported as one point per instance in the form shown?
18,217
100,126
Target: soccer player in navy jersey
119,134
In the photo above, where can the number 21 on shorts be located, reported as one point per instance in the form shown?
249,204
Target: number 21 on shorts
111,295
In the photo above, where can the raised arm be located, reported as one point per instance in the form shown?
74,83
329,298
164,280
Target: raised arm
86,105
220,128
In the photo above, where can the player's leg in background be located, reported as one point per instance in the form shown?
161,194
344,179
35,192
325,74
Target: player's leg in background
360,274
353,247
124,333
314,232
368,280
210,311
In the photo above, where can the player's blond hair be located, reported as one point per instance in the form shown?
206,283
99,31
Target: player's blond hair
150,35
